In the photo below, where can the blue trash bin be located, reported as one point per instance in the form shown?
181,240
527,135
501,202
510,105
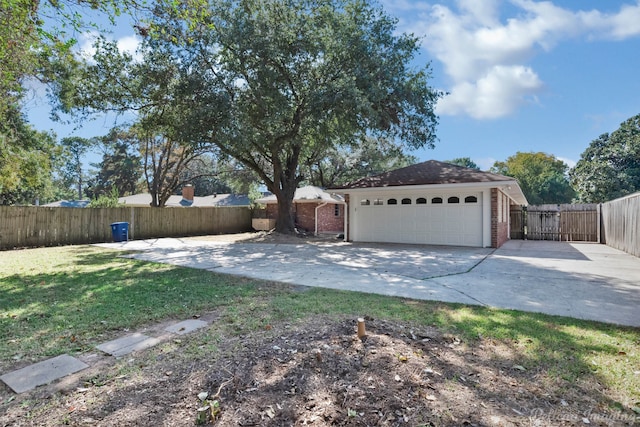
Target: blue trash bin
120,231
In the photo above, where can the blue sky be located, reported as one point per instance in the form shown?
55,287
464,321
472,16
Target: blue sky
521,75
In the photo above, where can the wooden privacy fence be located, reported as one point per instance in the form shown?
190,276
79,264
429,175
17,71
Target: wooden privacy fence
621,224
571,223
31,226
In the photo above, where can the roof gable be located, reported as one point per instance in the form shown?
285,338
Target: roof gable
426,173
307,194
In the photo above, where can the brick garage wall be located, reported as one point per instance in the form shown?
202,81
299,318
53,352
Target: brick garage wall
328,222
272,211
305,216
499,218
305,213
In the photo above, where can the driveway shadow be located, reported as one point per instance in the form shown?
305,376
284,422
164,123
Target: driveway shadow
595,282
579,280
542,249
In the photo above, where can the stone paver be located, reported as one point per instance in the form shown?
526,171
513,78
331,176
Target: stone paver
47,371
41,373
186,326
128,344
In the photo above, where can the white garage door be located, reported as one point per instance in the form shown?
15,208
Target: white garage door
437,219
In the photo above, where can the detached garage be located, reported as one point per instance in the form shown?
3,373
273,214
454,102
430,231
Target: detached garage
431,203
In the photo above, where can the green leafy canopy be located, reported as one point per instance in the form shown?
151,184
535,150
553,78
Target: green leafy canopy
273,84
542,177
610,167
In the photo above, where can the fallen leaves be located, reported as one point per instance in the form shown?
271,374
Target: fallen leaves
320,375
270,412
402,358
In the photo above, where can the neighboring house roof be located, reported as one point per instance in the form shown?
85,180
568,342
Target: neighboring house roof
308,194
228,200
68,204
433,172
144,199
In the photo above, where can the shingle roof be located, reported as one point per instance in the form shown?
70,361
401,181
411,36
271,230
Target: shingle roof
144,199
227,200
426,173
307,194
68,204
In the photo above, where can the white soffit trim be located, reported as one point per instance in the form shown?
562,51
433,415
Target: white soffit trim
515,193
510,188
426,187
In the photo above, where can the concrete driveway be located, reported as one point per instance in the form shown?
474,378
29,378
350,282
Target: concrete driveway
580,280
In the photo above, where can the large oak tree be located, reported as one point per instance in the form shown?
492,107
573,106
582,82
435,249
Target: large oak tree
274,84
342,164
610,167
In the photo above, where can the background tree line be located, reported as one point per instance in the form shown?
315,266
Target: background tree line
608,169
236,93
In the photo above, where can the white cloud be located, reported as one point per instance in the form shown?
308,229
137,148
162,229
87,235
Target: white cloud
403,5
484,12
35,88
493,95
484,163
130,45
486,58
85,45
616,26
626,23
127,44
569,162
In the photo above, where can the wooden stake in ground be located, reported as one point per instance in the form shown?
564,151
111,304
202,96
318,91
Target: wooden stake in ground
361,330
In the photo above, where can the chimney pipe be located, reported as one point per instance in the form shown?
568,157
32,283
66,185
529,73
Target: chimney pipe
188,192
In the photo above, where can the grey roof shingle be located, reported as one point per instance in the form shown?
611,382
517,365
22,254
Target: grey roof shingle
425,173
68,204
144,199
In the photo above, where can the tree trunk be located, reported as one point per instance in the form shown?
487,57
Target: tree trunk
285,222
284,191
79,172
285,184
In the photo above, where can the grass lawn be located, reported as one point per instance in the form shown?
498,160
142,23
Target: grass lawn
68,299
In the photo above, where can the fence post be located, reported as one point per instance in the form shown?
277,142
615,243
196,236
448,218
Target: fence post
132,225
599,226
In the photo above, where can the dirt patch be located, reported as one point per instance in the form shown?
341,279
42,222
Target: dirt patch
319,373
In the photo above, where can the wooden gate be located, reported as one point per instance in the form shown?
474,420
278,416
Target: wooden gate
580,225
543,222
518,222
568,223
